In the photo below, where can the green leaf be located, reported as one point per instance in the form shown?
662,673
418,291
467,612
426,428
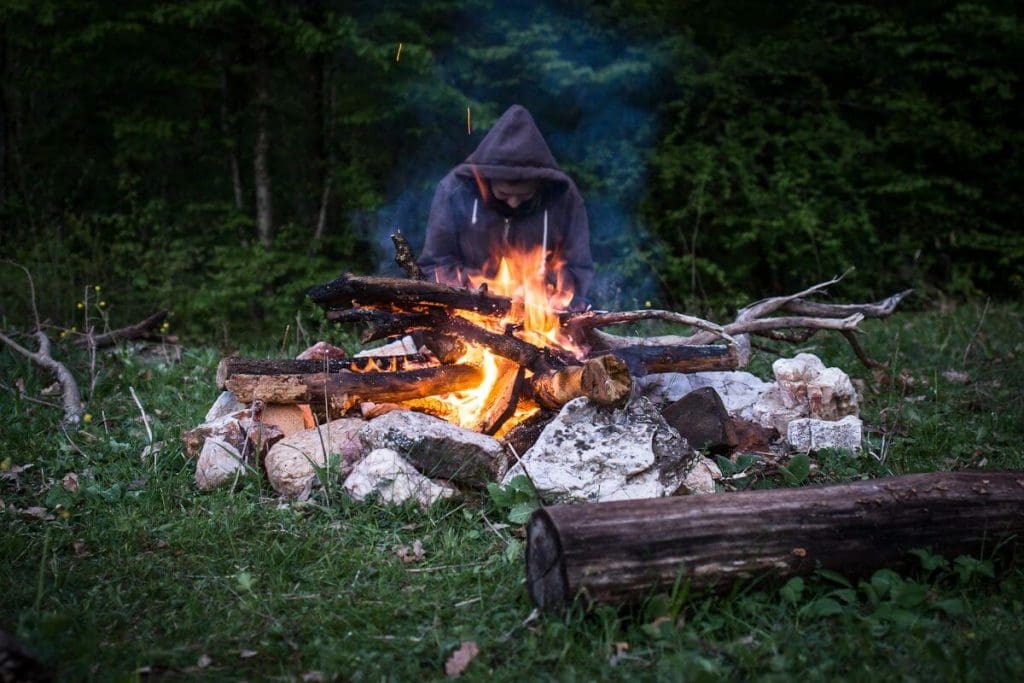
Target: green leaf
520,513
822,607
930,562
792,590
954,607
798,469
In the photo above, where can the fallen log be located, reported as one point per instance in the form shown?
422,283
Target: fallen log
237,365
604,380
399,294
627,550
71,397
340,390
139,330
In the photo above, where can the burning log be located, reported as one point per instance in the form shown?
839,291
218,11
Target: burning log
397,294
235,365
501,400
339,390
623,551
604,380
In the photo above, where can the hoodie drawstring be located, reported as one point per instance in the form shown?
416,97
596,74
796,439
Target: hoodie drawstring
474,212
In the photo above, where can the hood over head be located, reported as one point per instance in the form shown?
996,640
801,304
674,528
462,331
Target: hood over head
514,149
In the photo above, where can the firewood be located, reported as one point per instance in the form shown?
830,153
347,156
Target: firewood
501,401
623,551
604,380
383,324
644,360
399,294
236,365
339,390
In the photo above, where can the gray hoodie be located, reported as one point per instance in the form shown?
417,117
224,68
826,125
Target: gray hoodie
467,227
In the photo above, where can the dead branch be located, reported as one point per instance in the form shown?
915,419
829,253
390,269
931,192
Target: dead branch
594,319
72,399
139,330
646,359
404,257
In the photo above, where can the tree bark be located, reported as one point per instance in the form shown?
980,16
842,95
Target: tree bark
261,149
644,360
624,551
604,380
339,390
235,365
400,294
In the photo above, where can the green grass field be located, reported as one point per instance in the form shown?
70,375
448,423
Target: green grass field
137,573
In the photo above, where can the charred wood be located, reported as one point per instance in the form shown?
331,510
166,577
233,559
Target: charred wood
235,365
399,294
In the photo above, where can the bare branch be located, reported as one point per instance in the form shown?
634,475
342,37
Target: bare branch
764,307
879,309
591,320
72,400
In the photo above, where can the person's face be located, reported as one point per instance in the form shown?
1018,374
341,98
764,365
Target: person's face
514,192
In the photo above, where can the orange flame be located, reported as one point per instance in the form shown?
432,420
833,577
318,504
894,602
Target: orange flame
540,291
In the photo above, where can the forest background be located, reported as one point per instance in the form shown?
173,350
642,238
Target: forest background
218,157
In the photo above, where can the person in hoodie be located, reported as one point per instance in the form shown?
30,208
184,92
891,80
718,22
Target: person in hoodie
509,193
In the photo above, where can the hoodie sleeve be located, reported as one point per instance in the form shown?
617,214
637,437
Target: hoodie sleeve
576,247
442,259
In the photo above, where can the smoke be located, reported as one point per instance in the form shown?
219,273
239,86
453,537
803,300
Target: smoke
592,93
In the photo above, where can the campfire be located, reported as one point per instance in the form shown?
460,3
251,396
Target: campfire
497,355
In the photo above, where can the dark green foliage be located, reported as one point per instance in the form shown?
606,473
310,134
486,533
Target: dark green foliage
726,150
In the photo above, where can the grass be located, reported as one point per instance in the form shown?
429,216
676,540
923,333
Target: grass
139,573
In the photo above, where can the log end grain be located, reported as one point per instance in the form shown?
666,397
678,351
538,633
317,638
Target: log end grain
546,577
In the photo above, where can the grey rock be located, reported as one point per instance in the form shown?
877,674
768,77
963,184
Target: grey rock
225,404
811,434
437,448
738,390
219,463
292,463
700,417
589,453
385,473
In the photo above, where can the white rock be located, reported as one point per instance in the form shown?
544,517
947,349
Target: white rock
225,404
386,474
739,390
437,448
290,462
701,478
230,428
810,434
806,385
400,347
588,453
219,463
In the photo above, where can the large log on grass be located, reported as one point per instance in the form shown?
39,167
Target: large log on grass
340,389
624,551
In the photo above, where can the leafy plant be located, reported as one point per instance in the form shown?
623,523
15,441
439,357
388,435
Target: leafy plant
516,501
